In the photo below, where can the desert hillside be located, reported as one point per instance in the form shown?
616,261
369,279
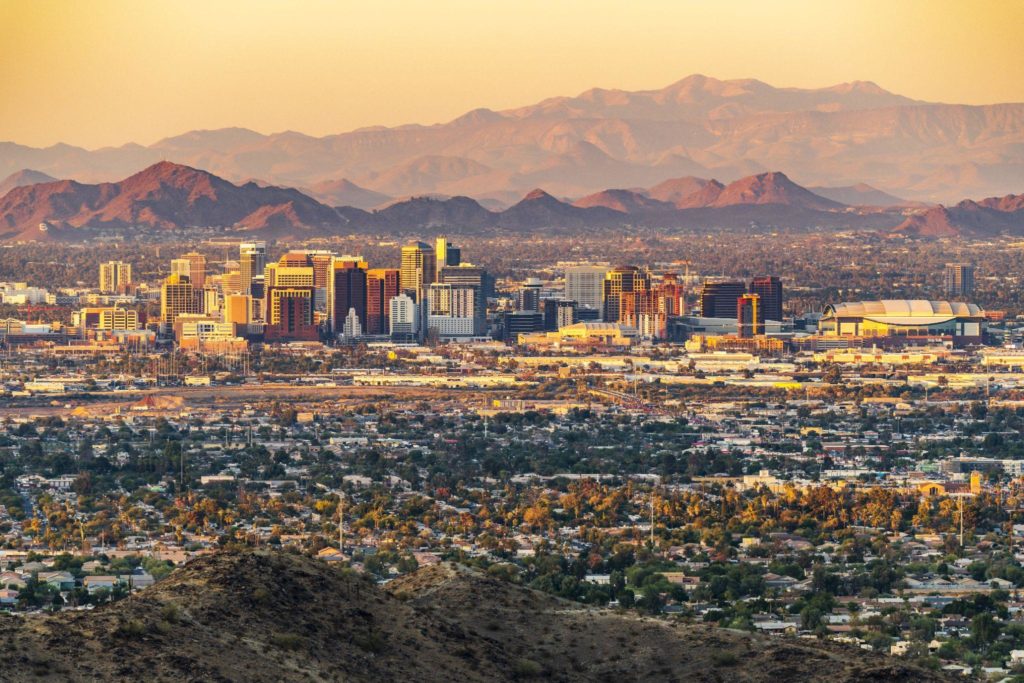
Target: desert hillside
266,616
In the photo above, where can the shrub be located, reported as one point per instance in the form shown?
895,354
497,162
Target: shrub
723,659
131,628
286,641
526,668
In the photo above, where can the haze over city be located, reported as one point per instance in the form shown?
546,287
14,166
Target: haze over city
576,341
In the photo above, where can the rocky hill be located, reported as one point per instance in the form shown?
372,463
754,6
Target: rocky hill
163,196
268,616
985,218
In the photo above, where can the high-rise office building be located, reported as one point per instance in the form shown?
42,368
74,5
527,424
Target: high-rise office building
252,259
452,310
418,270
468,275
558,313
238,309
346,291
769,289
514,323
403,317
197,268
321,260
209,300
177,297
445,254
182,266
290,314
959,280
115,276
585,286
749,319
382,285
618,281
294,269
529,295
718,299
107,319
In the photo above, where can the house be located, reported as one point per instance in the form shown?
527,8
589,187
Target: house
62,581
777,581
775,626
330,554
11,579
8,597
137,581
94,583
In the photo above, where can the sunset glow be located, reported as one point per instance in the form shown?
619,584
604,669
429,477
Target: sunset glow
107,72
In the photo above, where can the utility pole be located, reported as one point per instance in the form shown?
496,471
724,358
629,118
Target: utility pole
652,518
341,522
961,521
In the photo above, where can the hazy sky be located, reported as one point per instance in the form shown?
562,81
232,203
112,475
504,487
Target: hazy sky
106,72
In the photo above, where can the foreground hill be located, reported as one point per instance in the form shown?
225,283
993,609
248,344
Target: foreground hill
264,616
574,146
163,196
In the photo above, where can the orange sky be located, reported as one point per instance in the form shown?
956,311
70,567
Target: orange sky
105,72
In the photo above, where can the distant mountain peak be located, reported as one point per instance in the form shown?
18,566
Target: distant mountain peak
25,176
536,195
772,187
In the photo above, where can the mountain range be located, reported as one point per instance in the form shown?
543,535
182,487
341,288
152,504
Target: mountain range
169,196
268,616
574,146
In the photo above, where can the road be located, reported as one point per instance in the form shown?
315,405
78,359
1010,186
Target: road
230,397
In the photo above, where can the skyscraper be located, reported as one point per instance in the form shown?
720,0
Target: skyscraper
346,290
452,310
718,299
769,288
290,314
293,269
959,280
177,297
182,266
620,280
115,276
382,285
558,313
467,275
252,259
749,319
585,286
446,254
529,295
419,269
403,317
197,268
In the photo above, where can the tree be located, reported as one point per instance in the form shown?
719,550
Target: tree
984,628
